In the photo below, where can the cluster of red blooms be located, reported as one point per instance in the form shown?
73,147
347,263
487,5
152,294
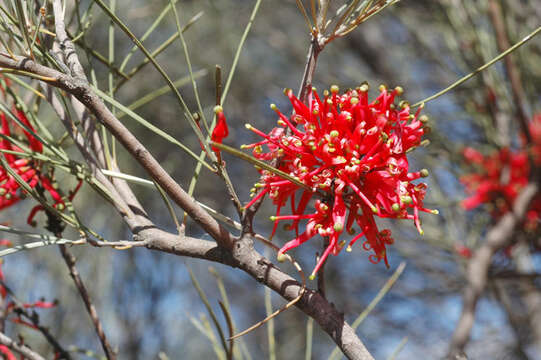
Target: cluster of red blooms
351,158
500,177
27,169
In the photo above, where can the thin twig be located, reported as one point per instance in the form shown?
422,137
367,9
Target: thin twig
481,68
496,16
69,259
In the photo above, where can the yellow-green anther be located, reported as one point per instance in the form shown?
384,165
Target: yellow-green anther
395,207
424,172
406,199
335,89
334,133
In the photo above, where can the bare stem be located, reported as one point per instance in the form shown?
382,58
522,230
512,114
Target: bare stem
69,259
517,90
309,69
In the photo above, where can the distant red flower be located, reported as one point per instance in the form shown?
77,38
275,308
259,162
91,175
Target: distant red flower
351,156
499,178
463,251
40,304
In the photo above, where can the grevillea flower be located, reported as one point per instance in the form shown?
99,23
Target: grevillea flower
220,131
500,177
350,155
28,170
498,180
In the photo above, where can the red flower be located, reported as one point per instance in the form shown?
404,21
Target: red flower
29,170
499,177
220,130
351,155
463,251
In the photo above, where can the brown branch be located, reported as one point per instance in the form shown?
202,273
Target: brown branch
246,258
496,16
498,237
21,349
309,69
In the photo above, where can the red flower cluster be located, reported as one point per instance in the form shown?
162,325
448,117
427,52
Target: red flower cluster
499,178
351,157
29,170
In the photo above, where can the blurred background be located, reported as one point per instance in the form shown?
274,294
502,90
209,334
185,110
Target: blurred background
146,300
